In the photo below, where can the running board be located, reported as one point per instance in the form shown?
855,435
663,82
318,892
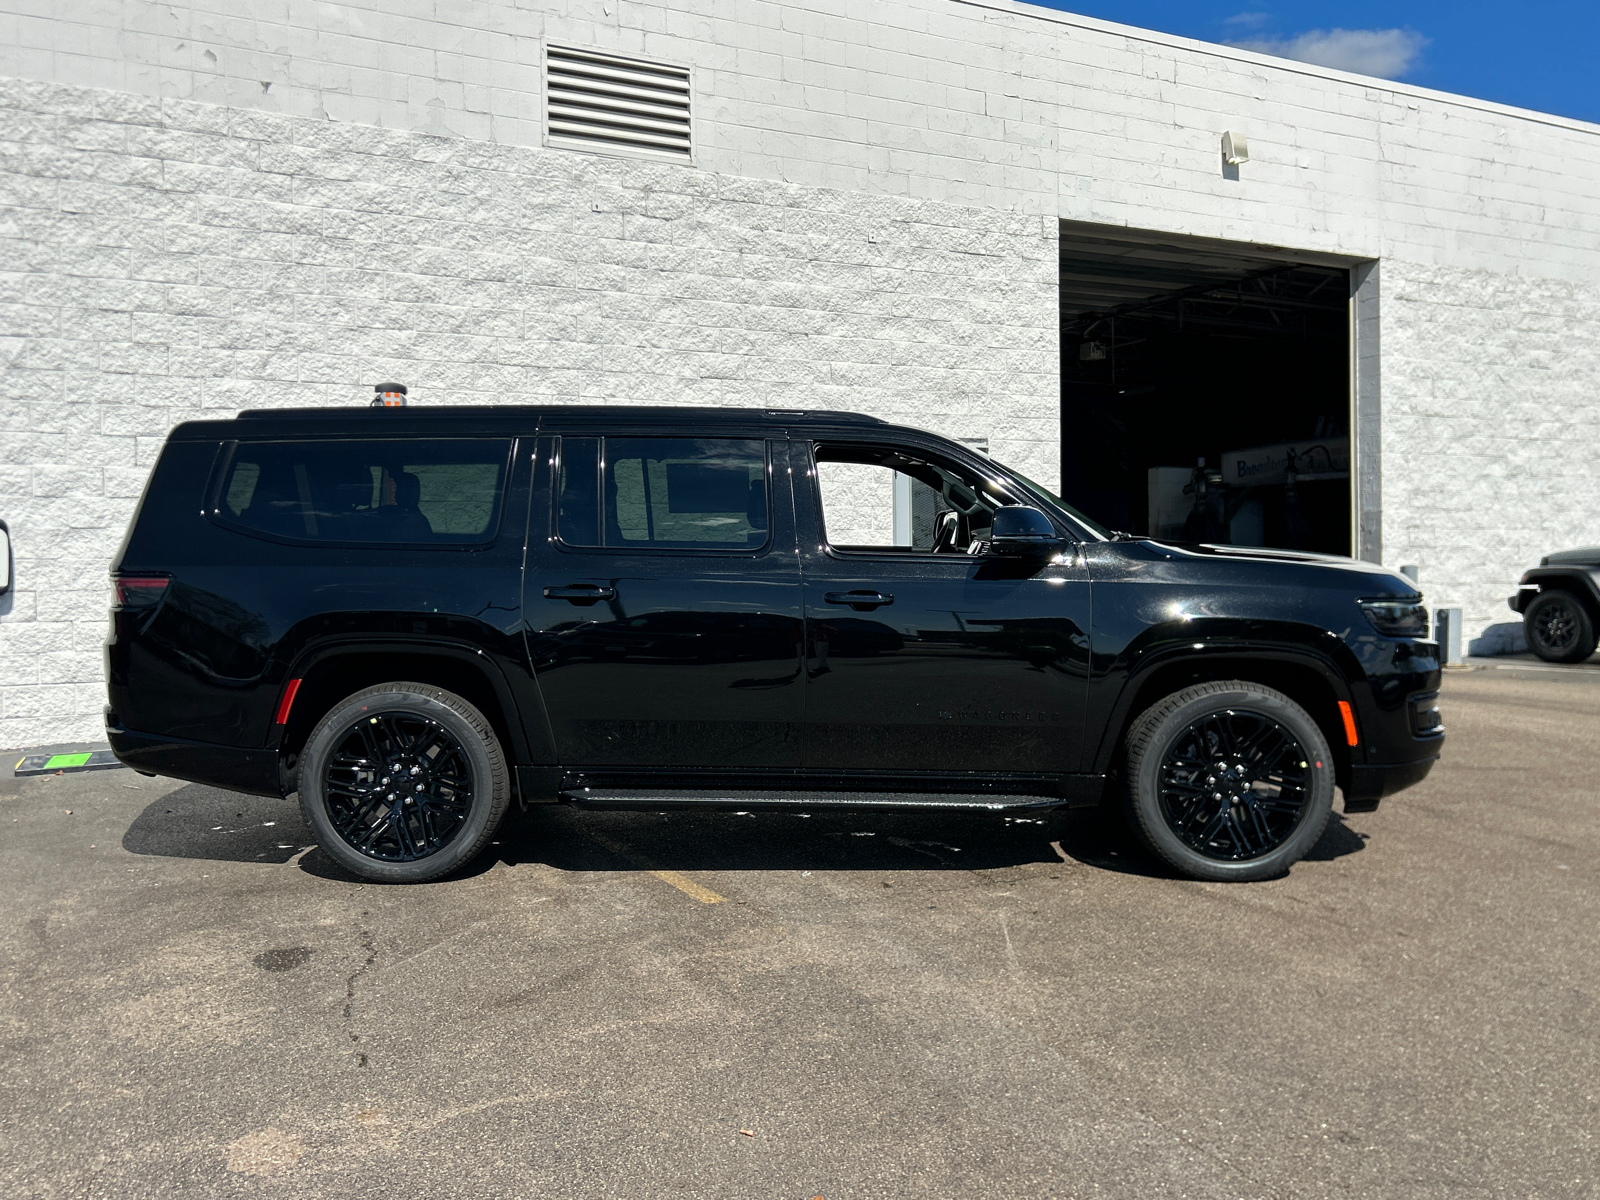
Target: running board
664,798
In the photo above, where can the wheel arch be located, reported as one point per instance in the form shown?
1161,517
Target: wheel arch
1311,682
331,672
1581,584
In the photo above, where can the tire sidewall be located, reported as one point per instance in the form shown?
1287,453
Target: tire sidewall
423,702
1582,646
1145,800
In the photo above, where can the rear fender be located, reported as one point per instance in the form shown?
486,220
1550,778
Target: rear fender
334,669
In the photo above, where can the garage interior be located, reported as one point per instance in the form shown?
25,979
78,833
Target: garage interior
1205,389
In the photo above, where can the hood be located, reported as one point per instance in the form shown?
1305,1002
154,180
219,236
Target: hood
1213,550
1393,583
1573,558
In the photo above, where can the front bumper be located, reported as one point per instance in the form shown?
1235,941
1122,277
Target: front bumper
236,767
1371,782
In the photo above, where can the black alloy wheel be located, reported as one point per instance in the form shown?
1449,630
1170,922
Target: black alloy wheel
1559,627
1234,784
398,786
1228,780
403,782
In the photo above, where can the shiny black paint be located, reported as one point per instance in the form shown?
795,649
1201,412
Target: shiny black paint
246,613
691,658
974,664
734,669
1216,611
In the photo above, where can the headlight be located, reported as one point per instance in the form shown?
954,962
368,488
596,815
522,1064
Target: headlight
1397,618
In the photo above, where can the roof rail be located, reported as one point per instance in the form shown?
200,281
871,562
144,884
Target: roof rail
631,412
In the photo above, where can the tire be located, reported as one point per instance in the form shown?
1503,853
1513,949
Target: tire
1237,741
1560,628
456,786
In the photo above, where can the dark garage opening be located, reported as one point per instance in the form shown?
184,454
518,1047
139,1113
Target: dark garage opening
1205,390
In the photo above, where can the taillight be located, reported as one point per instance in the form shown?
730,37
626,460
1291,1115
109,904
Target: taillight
135,593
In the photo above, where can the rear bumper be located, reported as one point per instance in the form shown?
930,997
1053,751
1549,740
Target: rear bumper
1371,782
237,768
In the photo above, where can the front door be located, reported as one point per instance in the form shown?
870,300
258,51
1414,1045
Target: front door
925,654
662,603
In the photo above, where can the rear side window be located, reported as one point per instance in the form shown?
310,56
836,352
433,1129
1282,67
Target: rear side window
434,492
663,493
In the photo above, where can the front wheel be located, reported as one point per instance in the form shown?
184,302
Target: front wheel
1229,780
1559,628
403,782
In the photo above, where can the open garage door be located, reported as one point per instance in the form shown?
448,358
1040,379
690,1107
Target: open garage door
1205,389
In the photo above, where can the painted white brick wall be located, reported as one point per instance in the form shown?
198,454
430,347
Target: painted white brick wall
1491,424
207,204
978,102
166,260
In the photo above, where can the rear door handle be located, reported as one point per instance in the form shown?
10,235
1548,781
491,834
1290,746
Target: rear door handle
581,593
860,601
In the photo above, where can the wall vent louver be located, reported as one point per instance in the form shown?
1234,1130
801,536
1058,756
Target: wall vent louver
608,103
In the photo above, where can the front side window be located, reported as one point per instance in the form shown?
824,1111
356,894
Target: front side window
663,493
885,498
434,492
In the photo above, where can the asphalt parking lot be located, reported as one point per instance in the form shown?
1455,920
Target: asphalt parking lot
637,1005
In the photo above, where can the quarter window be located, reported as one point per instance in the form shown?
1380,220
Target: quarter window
663,493
436,492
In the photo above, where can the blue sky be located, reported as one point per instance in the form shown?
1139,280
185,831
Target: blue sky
1540,54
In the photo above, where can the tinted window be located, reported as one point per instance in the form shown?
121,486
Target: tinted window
682,493
443,491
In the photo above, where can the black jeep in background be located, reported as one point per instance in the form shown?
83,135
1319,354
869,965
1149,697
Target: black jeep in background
411,616
1560,605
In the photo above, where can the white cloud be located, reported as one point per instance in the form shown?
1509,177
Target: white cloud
1386,53
1249,20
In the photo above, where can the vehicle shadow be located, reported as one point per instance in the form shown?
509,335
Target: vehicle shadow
201,822
1337,840
575,840
196,821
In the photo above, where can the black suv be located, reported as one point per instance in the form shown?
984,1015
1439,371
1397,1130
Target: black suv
411,616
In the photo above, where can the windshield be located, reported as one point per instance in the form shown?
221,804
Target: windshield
1046,494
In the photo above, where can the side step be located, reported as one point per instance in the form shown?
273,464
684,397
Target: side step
665,798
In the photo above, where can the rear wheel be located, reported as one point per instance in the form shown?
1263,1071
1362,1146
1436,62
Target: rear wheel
1559,627
403,782
1229,780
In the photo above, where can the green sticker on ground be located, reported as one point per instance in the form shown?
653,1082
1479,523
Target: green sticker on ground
53,764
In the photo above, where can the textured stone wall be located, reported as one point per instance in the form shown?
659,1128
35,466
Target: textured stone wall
1007,106
1491,433
164,260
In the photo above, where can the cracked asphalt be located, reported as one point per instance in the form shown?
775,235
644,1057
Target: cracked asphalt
196,1003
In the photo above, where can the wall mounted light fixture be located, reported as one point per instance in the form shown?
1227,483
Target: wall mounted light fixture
1235,148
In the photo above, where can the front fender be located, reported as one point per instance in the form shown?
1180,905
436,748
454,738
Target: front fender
1171,649
1585,583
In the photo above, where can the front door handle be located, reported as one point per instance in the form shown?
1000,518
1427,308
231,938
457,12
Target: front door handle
860,601
581,594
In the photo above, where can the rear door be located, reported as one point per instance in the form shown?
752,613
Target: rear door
663,602
924,655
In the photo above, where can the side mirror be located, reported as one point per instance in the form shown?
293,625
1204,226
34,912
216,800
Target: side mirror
1020,531
5,559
